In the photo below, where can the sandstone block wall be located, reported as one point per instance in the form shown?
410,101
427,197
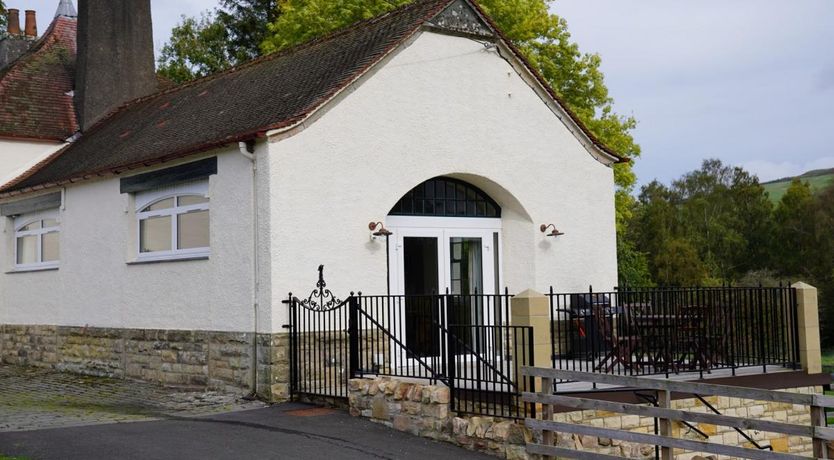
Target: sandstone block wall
274,367
215,360
423,410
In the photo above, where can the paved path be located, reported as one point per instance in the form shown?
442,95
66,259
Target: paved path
51,415
286,431
32,399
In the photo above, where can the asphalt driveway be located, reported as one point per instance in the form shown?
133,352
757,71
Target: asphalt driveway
46,414
286,431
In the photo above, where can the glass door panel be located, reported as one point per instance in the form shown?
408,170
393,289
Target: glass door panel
466,278
466,266
421,281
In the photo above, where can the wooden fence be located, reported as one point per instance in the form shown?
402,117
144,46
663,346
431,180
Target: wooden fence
665,415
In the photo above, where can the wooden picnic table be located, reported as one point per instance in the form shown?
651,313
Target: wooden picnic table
665,341
658,339
685,339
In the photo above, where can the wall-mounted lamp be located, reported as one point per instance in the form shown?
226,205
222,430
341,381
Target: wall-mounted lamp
378,230
553,233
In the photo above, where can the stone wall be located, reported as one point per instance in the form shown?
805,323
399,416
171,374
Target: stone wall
423,410
274,367
215,360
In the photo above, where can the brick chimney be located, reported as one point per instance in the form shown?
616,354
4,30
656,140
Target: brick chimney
13,22
31,29
115,56
14,44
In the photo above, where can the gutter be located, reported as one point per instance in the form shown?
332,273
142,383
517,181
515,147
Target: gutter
247,149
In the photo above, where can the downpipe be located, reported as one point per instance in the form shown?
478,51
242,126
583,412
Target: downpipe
247,149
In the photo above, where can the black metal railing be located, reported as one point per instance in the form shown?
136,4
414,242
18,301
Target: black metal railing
462,341
645,331
485,370
419,323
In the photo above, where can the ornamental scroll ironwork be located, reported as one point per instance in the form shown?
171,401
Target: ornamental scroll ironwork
460,17
321,299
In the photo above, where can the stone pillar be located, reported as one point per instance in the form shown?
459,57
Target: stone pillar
531,308
810,352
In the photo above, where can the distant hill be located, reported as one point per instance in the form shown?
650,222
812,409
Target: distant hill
818,178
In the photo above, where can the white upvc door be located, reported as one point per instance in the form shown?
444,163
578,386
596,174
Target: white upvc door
440,254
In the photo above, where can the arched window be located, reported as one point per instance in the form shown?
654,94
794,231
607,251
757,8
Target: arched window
37,241
446,197
173,224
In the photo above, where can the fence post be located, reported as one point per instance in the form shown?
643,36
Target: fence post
451,365
818,420
531,308
353,336
664,400
547,413
531,381
293,386
810,352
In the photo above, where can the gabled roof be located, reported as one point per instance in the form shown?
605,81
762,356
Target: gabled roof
269,93
36,89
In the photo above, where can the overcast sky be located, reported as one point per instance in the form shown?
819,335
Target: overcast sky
748,81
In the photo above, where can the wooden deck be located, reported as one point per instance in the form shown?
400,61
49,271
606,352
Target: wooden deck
682,376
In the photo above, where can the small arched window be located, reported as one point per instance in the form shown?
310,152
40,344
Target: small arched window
446,197
37,241
174,225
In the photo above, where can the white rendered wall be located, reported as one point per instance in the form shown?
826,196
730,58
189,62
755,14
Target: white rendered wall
95,285
443,106
18,156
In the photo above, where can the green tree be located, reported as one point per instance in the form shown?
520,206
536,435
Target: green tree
304,20
197,48
227,36
796,230
824,278
824,229
2,17
678,264
721,211
655,222
726,214
633,265
247,22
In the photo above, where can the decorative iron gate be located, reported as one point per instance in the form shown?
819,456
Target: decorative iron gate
416,337
319,343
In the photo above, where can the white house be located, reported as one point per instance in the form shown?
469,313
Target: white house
36,81
174,223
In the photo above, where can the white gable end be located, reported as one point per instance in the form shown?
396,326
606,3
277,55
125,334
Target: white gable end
443,105
16,156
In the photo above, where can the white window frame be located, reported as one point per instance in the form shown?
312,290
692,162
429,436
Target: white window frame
145,199
28,219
